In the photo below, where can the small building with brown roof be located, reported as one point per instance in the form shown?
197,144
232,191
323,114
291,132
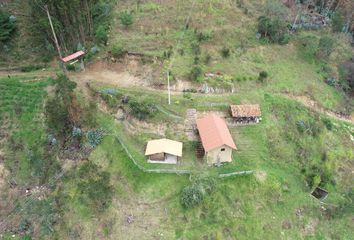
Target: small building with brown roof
163,151
246,113
216,139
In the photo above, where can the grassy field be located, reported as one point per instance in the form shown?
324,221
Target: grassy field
274,202
292,150
21,118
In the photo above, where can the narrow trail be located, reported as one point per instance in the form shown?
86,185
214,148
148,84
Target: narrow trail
124,78
313,105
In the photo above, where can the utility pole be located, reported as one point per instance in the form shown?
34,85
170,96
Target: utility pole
55,36
168,87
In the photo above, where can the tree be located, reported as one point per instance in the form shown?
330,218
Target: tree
75,21
62,111
272,25
273,29
7,26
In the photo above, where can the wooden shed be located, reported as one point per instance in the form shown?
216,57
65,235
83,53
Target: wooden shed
74,58
164,151
246,113
216,139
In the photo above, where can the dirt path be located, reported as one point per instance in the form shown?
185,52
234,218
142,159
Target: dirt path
308,102
130,74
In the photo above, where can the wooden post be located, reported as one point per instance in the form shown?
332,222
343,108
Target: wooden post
168,87
55,38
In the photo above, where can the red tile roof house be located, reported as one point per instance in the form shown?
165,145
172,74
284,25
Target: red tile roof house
216,139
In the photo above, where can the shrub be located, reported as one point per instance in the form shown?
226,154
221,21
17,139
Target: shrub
338,21
195,73
308,46
142,108
311,127
195,193
94,137
167,54
110,100
262,76
70,67
347,75
101,35
328,123
225,52
201,36
207,58
117,50
187,95
7,26
195,48
32,67
325,47
77,133
191,196
126,19
273,29
94,187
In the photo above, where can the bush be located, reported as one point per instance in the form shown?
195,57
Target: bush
311,127
191,196
338,21
142,108
262,76
325,47
187,95
225,52
347,76
274,29
195,193
126,19
328,123
202,37
195,73
117,50
94,187
58,107
32,67
195,48
101,35
77,133
207,58
7,26
110,100
94,137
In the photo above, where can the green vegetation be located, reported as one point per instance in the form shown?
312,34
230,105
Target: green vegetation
126,19
73,146
7,26
142,107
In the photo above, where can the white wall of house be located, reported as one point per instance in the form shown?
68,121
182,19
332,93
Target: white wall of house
223,153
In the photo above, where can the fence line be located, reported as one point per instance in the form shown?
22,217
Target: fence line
236,173
174,171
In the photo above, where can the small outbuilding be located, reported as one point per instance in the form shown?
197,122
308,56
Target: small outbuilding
246,113
164,151
216,139
74,58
